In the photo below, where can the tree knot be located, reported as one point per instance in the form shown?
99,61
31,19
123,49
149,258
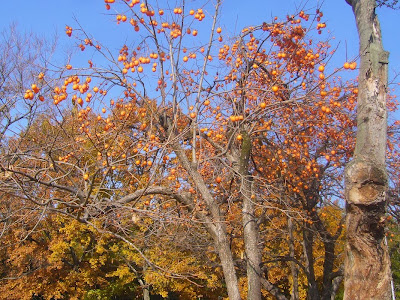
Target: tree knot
365,182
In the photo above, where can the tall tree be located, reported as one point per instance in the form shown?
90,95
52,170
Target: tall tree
229,139
367,264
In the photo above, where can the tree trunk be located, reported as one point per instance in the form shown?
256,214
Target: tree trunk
308,242
228,266
329,258
253,255
329,240
250,228
335,286
146,294
145,288
367,265
217,229
293,267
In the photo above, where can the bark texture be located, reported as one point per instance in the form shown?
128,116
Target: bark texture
367,264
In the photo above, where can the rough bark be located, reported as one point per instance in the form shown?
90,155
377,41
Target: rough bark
367,265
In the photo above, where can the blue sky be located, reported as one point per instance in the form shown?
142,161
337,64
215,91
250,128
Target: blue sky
47,17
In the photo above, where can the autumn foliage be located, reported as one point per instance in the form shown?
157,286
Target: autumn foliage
149,162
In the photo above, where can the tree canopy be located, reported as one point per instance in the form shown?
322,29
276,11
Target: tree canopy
186,164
